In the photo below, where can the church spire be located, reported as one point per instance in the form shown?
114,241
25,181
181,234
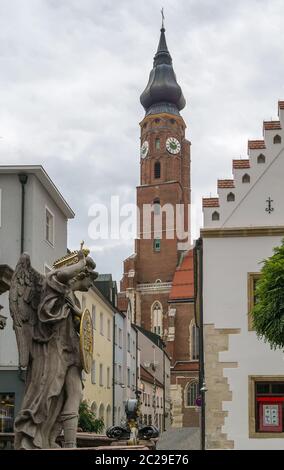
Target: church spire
162,93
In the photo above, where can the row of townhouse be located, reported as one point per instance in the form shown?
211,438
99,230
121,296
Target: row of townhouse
33,218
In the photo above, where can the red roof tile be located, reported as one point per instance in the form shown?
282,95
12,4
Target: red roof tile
210,202
183,281
280,104
226,183
256,144
238,164
271,125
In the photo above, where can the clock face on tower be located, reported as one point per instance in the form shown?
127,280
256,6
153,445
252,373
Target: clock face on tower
144,149
173,145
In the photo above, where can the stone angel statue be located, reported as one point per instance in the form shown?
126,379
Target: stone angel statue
46,317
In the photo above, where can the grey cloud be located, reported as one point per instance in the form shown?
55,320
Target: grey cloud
71,76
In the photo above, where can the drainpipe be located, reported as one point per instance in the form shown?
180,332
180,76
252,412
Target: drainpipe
198,271
113,370
23,178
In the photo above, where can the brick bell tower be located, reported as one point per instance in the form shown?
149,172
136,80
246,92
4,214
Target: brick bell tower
165,170
164,183
158,278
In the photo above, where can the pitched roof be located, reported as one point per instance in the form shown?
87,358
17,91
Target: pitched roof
226,183
238,164
210,202
256,144
271,125
183,281
47,183
148,377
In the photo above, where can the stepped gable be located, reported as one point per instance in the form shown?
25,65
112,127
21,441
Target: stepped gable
226,184
240,164
210,202
245,171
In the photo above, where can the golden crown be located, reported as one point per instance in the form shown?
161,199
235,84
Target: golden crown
70,258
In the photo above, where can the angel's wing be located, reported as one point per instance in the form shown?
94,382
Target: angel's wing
24,297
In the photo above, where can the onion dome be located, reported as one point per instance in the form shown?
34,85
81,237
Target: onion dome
162,93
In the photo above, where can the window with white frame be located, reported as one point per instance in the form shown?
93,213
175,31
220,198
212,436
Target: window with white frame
49,226
101,375
94,316
108,330
101,324
120,337
128,342
119,374
93,372
128,377
157,319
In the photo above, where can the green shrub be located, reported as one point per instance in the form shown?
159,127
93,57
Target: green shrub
87,419
268,313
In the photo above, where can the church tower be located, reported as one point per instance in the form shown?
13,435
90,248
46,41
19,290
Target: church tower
165,169
158,277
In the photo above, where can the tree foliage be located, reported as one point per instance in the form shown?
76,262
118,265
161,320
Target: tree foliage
87,419
268,312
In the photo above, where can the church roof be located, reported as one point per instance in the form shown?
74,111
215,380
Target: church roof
183,281
162,93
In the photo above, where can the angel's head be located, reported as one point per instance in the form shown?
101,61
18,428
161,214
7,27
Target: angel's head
85,279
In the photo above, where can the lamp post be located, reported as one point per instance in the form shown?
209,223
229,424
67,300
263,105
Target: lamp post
203,391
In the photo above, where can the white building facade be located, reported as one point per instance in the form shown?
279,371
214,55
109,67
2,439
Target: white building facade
33,218
244,377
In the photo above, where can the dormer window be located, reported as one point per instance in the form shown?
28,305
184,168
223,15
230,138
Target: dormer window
261,158
215,216
246,178
230,197
277,139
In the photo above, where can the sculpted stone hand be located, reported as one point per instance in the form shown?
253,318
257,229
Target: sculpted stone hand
45,313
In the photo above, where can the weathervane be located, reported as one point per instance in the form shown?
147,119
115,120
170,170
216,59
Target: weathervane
163,18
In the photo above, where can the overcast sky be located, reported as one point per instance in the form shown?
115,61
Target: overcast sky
72,71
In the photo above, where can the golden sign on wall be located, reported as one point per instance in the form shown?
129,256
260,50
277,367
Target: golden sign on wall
86,341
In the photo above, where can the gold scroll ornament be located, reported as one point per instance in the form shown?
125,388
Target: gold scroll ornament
86,341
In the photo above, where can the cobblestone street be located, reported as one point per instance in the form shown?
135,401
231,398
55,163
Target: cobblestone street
180,439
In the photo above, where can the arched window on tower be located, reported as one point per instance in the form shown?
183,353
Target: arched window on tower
194,342
157,170
277,139
230,197
261,158
191,393
215,215
157,318
157,144
246,178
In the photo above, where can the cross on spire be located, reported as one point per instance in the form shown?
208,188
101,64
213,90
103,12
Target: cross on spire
163,18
